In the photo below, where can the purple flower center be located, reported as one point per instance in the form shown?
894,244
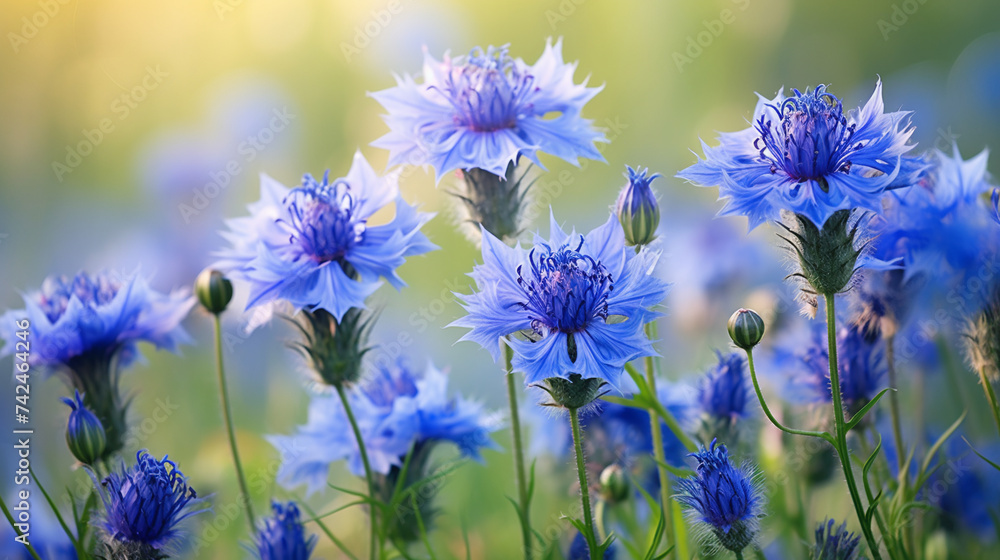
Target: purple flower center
565,290
488,92
91,291
324,220
813,139
147,501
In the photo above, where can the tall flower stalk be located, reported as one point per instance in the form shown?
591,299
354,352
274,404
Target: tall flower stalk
523,493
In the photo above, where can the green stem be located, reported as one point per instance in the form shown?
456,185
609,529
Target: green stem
10,519
660,454
230,431
373,543
581,471
739,555
840,428
767,411
990,395
523,497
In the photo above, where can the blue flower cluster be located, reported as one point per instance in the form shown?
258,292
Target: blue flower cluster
396,409
282,537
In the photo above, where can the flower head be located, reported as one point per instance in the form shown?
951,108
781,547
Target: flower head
97,317
313,247
145,504
724,391
85,435
835,542
282,536
575,304
725,498
637,209
486,110
396,409
803,153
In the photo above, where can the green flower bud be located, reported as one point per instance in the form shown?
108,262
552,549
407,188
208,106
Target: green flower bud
614,484
746,328
214,291
573,393
85,435
828,257
637,209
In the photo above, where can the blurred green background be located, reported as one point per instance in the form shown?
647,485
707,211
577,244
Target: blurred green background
181,89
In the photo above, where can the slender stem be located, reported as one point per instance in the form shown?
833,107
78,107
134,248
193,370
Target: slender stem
227,416
990,395
581,471
660,454
373,543
739,555
13,524
523,498
840,428
599,511
767,411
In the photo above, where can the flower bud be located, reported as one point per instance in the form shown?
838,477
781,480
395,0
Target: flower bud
637,209
614,484
85,435
746,328
573,393
214,291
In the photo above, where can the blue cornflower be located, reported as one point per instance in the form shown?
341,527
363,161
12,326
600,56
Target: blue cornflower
576,303
282,536
724,391
941,228
578,550
144,506
486,110
723,497
804,154
835,542
312,246
97,317
964,489
862,367
396,409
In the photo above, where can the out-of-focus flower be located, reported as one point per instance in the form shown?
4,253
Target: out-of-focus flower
636,207
144,506
616,435
578,550
835,542
724,397
486,110
88,327
282,536
965,490
982,340
861,366
312,246
85,436
396,409
805,155
724,498
573,304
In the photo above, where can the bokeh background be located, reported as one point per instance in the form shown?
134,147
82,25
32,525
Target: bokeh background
183,88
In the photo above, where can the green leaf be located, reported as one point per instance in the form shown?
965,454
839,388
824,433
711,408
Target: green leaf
676,471
860,415
980,455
